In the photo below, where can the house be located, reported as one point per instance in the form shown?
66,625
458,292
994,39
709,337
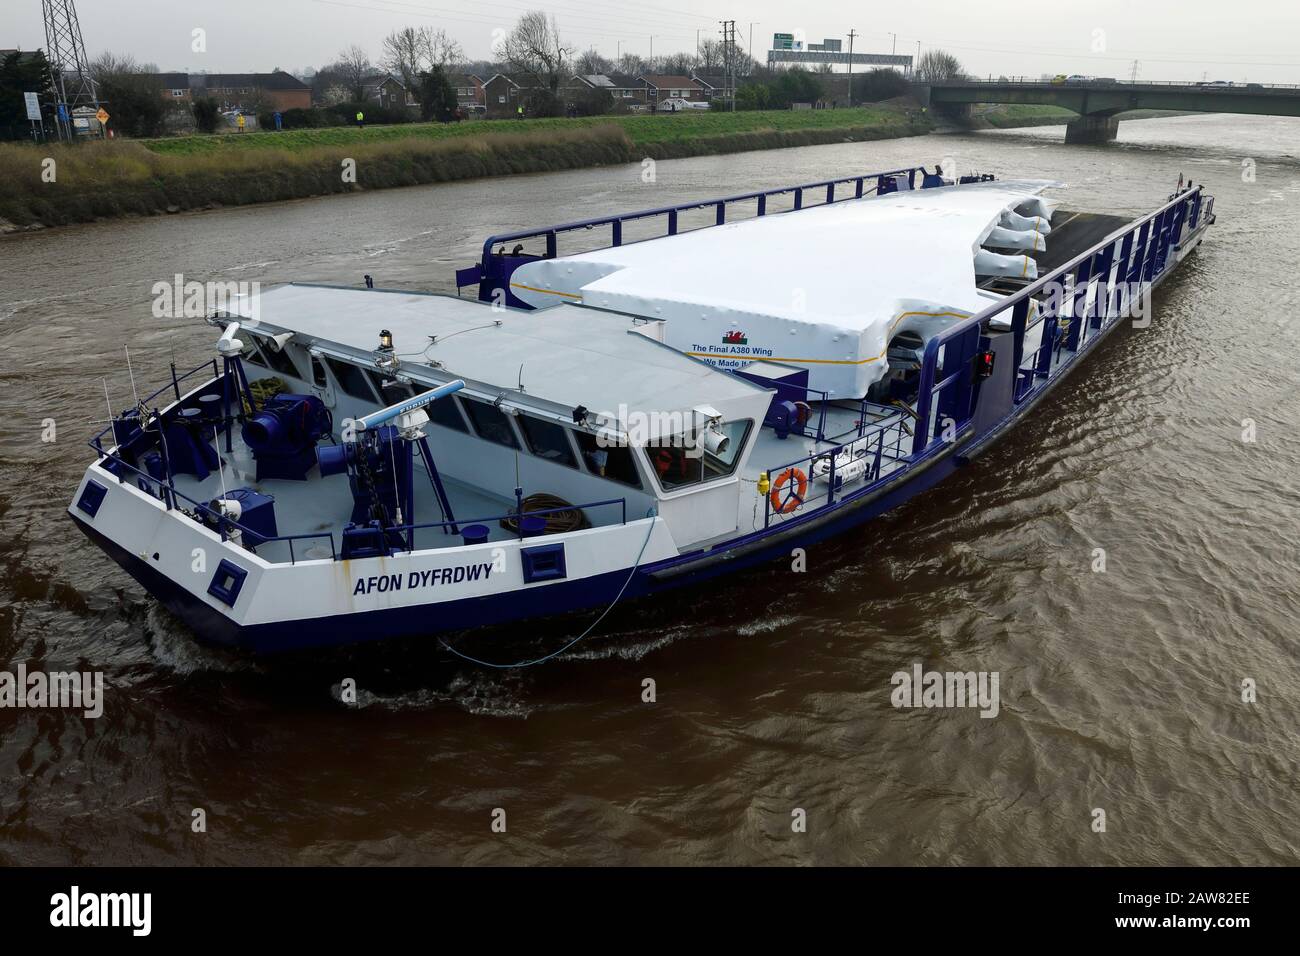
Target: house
714,85
659,87
623,87
387,90
175,87
470,96
276,90
506,92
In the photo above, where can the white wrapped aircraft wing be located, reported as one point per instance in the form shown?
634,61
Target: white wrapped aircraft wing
825,288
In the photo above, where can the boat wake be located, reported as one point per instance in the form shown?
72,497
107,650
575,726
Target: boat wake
174,647
477,693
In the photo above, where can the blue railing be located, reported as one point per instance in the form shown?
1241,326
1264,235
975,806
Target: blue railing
222,524
462,523
873,449
1085,295
174,385
225,526
166,491
827,188
1096,289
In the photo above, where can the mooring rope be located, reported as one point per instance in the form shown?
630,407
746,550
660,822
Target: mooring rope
591,627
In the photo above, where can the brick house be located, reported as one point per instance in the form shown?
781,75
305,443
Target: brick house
175,87
624,89
470,96
388,91
506,92
714,86
277,90
659,88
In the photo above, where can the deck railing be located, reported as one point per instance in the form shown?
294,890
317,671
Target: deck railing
462,523
165,488
1083,297
828,190
225,526
878,446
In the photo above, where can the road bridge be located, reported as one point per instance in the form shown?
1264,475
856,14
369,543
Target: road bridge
1099,101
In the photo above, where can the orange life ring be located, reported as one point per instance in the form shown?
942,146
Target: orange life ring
796,498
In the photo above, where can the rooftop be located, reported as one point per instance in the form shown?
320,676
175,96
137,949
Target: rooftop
567,357
671,82
275,80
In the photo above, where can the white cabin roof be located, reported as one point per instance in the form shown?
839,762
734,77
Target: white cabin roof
565,357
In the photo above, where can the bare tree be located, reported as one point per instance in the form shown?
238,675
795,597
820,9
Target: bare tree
443,50
109,64
712,58
632,64
534,48
590,62
937,65
404,53
352,68
411,52
676,64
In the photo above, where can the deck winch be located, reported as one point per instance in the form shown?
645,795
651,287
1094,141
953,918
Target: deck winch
379,471
284,433
379,466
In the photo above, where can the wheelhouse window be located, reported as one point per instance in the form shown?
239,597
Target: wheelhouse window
252,354
390,390
679,461
351,379
547,440
612,462
491,423
279,361
446,412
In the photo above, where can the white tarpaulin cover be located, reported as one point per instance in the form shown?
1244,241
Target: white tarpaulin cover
824,288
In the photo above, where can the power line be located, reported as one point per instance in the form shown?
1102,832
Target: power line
426,13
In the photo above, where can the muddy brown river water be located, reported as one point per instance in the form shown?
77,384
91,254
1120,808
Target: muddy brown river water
1120,690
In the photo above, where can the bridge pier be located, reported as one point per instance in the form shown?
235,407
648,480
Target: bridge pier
1092,128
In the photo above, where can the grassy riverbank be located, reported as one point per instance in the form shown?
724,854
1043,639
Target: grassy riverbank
121,178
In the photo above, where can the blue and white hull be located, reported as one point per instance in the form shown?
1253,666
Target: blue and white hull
649,522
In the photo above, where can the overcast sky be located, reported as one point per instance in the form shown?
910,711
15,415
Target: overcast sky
1170,39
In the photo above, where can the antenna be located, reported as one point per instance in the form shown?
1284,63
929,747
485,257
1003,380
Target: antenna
109,402
131,372
70,76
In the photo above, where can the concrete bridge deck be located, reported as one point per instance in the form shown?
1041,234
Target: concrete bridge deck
1098,101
